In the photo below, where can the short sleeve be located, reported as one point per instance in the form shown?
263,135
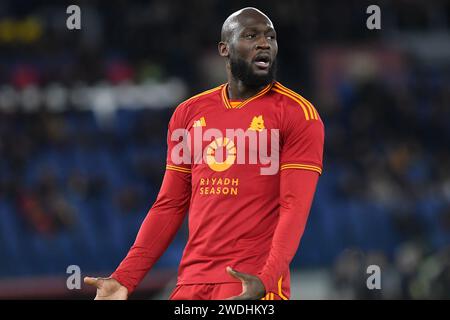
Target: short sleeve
302,142
178,154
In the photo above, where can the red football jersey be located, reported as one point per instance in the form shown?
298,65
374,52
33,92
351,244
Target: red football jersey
234,205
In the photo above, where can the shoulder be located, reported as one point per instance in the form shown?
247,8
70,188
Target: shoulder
295,104
186,109
202,96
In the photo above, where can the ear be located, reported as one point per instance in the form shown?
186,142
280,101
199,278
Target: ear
223,49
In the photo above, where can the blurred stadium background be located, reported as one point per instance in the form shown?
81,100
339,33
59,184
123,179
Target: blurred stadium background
83,120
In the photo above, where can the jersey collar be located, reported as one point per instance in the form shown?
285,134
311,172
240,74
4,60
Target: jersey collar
227,103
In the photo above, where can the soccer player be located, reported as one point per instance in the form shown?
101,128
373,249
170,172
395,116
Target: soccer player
245,224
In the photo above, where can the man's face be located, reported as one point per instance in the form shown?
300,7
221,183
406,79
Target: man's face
252,52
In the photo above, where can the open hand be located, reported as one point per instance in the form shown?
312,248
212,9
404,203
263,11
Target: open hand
107,288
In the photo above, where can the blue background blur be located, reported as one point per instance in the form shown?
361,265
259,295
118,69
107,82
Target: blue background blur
83,122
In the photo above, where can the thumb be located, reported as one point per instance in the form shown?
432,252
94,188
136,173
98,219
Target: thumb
92,281
236,274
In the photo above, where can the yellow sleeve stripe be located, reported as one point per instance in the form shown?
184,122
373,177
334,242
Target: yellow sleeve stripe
271,295
268,296
295,99
301,166
280,291
312,110
176,168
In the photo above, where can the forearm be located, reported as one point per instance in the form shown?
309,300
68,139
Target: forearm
297,188
157,230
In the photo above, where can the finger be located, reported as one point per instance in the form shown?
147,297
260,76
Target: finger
91,281
238,275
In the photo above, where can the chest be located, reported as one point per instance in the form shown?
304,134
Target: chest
223,137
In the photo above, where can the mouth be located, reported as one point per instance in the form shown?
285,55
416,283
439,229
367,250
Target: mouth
262,60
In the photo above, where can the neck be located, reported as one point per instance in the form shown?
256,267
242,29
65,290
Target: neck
237,90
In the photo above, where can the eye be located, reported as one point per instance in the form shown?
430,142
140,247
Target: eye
250,36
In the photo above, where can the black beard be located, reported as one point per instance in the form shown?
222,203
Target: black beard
242,71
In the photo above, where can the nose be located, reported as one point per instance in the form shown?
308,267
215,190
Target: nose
262,43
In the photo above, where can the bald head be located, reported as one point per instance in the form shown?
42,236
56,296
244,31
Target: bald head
241,19
249,45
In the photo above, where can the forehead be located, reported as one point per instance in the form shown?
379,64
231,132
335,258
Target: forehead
254,22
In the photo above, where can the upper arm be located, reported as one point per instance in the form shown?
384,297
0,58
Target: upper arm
302,141
178,155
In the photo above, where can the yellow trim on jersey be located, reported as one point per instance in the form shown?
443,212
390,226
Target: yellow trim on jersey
312,114
261,93
312,110
269,296
224,97
205,92
280,291
234,104
176,168
293,98
301,166
243,103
